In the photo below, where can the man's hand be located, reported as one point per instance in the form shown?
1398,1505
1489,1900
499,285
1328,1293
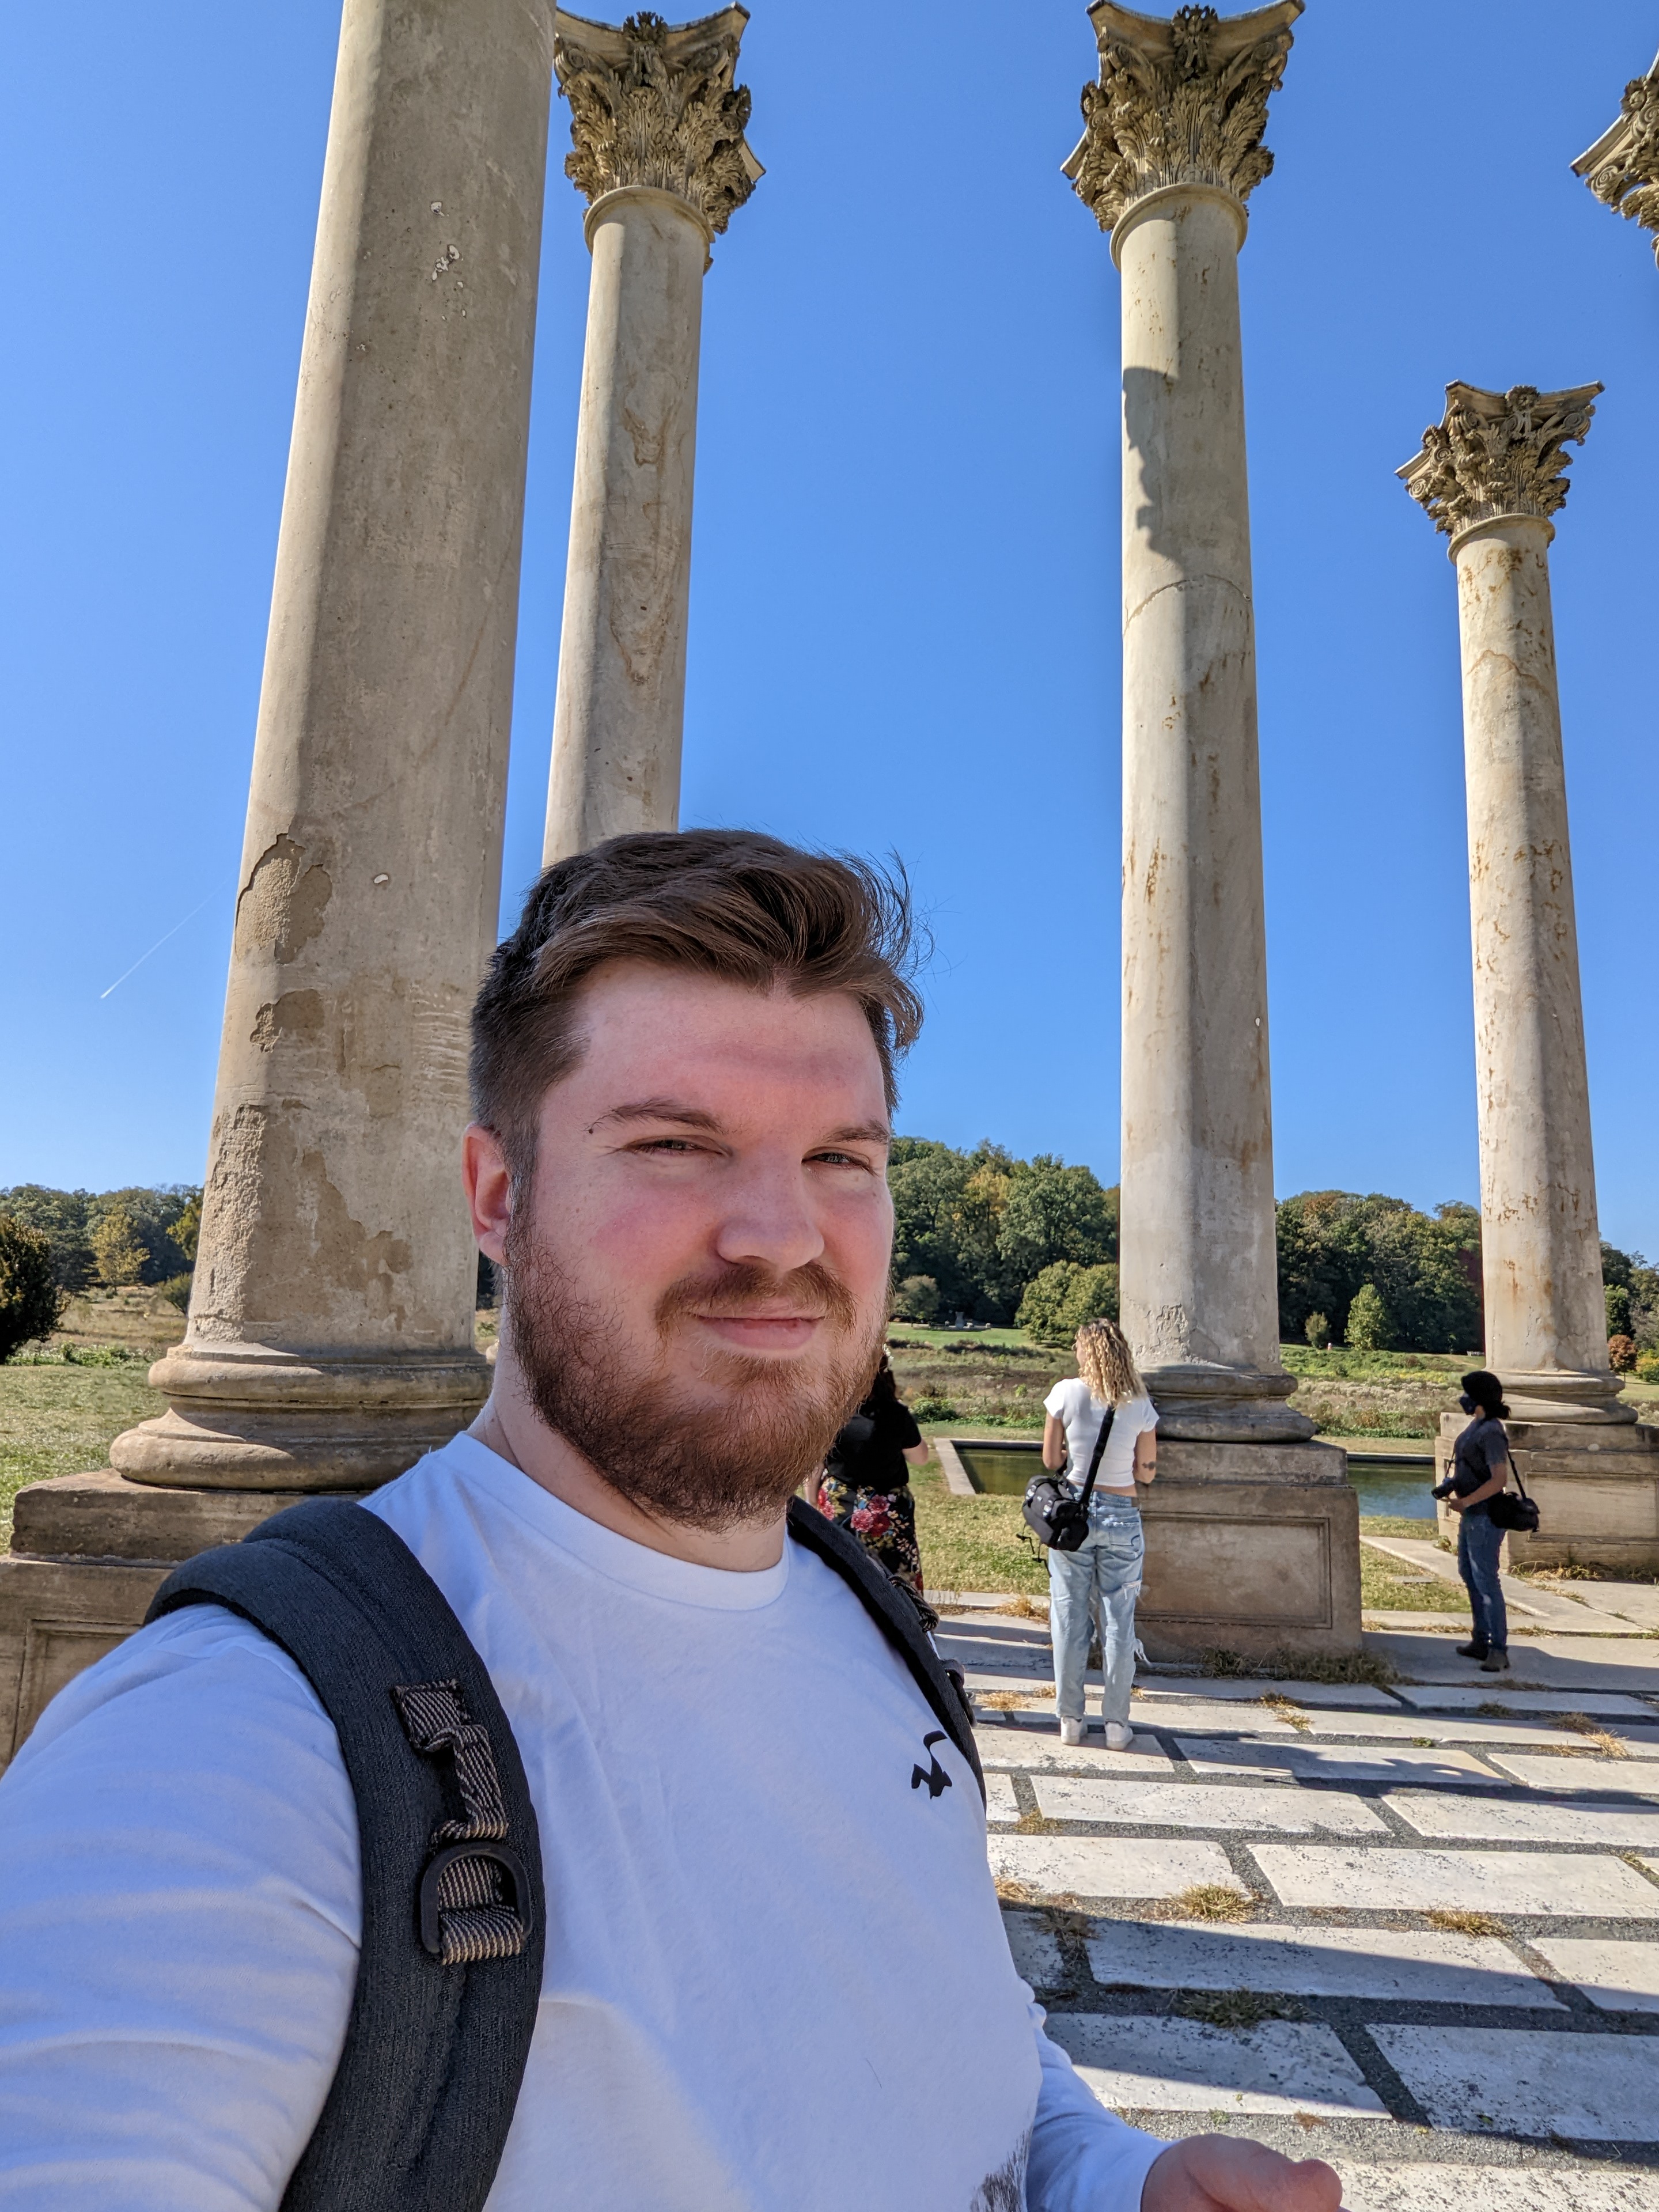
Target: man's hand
1227,2173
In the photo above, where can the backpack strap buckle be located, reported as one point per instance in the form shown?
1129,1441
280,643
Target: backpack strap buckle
474,1900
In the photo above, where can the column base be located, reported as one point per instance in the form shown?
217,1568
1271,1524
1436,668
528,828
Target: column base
1201,1402
1596,1487
249,1417
88,1552
1252,1548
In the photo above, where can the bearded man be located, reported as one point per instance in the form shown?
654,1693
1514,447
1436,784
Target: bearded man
775,1975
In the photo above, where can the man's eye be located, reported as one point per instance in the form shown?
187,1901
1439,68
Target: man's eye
665,1144
838,1160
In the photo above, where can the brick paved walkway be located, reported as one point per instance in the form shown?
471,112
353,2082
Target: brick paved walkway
1401,1929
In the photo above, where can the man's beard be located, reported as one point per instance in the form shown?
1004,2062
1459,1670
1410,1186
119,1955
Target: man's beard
734,1456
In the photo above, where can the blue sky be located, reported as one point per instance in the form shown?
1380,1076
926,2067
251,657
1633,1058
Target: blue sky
905,595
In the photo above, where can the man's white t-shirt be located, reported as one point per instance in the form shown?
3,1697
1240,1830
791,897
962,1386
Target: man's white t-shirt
1072,1402
776,1975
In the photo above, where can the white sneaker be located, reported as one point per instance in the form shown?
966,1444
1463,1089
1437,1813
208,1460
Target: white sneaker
1119,1735
1071,1731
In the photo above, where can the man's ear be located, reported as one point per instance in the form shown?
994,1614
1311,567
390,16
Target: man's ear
488,1189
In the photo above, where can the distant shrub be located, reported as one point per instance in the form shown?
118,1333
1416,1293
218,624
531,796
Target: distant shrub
1370,1327
31,1301
916,1299
1621,1354
177,1289
1063,1296
1647,1366
1318,1332
932,1409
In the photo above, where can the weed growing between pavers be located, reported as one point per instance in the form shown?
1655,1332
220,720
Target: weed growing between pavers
1300,1667
1036,1824
1236,2007
1046,1900
1451,1923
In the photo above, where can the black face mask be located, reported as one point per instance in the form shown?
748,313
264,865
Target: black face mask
1468,1403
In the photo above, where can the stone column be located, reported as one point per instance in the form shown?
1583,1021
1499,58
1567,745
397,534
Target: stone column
1622,167
1490,476
660,153
330,1340
1171,150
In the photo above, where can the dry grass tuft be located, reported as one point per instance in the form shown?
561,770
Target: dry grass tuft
1276,1702
1466,1924
1601,1738
1036,1824
1209,1900
1285,1666
1022,1608
1009,1701
1021,1893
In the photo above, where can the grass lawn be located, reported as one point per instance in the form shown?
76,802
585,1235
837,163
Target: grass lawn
972,1543
60,1421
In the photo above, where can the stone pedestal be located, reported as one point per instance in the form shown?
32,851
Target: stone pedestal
1171,151
1490,476
1252,1548
89,1551
659,152
330,1341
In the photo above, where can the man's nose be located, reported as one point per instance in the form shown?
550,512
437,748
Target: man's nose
768,1217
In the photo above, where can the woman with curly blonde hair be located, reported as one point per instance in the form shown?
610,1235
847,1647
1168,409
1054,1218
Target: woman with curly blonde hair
1103,1574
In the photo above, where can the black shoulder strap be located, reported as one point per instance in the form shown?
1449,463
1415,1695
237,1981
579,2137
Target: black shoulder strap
893,1612
1100,1453
454,1918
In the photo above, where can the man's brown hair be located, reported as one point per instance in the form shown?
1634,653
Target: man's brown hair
724,903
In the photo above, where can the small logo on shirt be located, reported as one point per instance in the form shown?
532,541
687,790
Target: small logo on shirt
933,1778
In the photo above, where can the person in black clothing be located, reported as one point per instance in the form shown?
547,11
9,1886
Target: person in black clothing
1480,1467
866,1481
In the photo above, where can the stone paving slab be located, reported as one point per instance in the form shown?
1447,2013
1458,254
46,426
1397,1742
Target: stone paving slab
1446,1817
1426,2188
1204,1715
1356,1694
1596,1705
1000,1658
1000,1803
1556,1884
1589,2089
1445,1728
1541,1662
1215,1806
1184,2066
1026,1749
1633,1778
1035,1950
1112,1866
1614,1977
1383,1965
1350,1762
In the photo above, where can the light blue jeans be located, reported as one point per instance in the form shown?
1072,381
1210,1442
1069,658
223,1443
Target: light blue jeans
1102,1576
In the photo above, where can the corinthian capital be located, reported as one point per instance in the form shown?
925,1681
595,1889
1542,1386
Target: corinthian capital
1179,102
1498,453
653,103
1622,167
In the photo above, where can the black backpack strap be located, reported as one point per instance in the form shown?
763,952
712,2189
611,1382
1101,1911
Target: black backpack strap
454,1915
893,1611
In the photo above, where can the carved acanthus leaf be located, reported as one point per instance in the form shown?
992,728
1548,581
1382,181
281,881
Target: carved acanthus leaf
1178,102
1498,453
1622,167
653,103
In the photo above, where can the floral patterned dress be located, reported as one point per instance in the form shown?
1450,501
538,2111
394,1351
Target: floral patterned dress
867,1486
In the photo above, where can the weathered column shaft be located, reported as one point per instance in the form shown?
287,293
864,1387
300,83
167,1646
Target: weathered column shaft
1197,1271
657,126
330,1339
1172,150
1540,1246
1491,475
620,708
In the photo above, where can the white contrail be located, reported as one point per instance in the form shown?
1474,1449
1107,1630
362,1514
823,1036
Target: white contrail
156,947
